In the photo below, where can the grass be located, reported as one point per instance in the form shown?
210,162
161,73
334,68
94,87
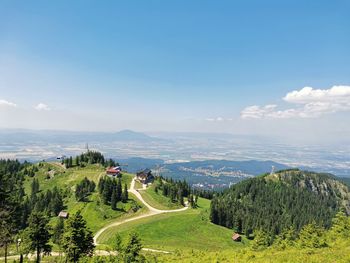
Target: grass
138,185
157,200
53,174
339,253
181,230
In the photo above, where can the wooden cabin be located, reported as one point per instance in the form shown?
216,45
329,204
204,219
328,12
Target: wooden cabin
236,237
63,214
145,176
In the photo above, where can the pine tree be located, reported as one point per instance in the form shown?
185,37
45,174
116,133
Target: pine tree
35,186
261,240
118,243
38,234
286,238
119,189
341,225
5,231
133,248
125,195
180,197
77,240
70,162
114,199
105,195
312,236
77,160
58,232
100,185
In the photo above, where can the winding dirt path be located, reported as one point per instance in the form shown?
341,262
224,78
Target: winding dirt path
151,212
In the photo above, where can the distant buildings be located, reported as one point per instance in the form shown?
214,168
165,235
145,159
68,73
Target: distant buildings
62,157
145,176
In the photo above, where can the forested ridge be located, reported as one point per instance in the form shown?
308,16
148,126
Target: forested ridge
273,203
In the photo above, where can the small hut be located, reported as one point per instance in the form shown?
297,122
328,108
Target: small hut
63,214
236,237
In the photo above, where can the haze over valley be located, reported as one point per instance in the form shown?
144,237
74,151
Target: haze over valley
175,148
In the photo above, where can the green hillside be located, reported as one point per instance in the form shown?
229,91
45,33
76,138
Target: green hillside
178,231
338,253
281,200
157,200
96,213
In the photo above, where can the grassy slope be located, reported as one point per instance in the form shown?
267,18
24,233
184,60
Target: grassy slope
339,252
138,185
184,230
94,211
157,200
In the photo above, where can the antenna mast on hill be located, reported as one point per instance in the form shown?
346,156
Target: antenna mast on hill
87,147
272,170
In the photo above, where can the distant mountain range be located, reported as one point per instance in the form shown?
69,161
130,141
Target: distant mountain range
31,136
34,145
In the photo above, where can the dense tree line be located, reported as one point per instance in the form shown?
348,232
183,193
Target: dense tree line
176,191
49,202
11,200
311,235
111,191
30,170
89,157
84,188
271,205
207,194
72,236
18,211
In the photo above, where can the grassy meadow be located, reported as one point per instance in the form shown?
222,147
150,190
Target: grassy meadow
157,200
186,230
338,252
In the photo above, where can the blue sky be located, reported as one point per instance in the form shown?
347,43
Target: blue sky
169,65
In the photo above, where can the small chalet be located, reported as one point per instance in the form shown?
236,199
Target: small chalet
114,171
63,214
145,176
236,237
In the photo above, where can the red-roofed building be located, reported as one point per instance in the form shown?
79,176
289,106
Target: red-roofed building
113,171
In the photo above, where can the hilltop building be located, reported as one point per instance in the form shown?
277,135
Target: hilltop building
113,171
145,176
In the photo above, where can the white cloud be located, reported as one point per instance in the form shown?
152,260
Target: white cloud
7,103
305,95
42,107
310,103
218,119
